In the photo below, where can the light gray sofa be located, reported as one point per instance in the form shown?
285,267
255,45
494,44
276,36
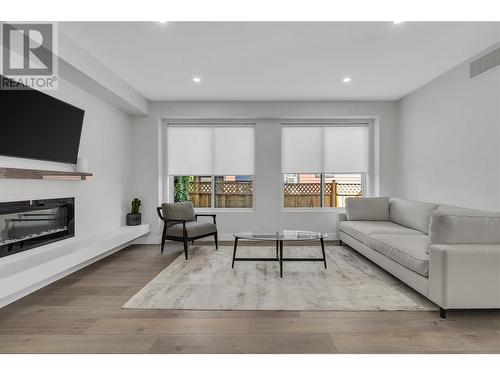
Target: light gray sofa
451,255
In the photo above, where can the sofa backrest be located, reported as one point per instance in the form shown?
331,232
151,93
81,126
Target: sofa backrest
449,228
411,214
454,210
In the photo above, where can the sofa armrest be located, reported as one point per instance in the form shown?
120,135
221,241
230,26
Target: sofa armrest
464,276
341,216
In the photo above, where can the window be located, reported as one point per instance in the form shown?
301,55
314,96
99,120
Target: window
233,191
215,191
320,190
302,190
339,151
212,165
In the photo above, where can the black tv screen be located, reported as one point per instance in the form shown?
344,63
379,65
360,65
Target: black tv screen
35,125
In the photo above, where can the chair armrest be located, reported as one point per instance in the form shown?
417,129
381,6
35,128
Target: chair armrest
212,215
158,210
465,275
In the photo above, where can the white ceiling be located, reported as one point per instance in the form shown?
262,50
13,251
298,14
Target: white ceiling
280,60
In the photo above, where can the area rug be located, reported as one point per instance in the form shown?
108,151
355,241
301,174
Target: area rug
207,282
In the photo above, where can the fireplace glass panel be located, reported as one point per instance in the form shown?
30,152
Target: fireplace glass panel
27,224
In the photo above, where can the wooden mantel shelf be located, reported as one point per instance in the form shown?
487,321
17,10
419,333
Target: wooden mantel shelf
37,174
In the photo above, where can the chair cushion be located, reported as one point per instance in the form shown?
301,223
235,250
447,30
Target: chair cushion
178,211
411,214
193,229
407,250
367,208
361,230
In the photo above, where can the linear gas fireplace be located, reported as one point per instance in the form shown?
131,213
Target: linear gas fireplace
28,224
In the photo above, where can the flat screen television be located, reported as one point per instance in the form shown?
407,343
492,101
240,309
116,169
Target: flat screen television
35,125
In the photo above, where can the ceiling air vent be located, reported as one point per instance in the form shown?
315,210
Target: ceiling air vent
485,63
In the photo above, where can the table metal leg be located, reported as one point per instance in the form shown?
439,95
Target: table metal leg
323,250
234,252
281,258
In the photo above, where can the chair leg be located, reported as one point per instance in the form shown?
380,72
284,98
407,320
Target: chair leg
186,249
163,234
216,241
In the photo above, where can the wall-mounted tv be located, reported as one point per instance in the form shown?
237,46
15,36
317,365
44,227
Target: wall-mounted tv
35,125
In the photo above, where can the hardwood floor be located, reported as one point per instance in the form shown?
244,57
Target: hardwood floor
82,313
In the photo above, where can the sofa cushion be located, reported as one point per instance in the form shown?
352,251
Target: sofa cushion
178,211
193,229
464,229
367,208
411,214
361,230
407,250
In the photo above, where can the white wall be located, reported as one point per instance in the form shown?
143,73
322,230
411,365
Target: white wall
268,213
449,140
101,203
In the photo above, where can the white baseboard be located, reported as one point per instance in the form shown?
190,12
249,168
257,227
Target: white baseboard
156,240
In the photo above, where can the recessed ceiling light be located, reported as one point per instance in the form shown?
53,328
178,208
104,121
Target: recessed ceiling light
162,21
346,79
196,79
396,22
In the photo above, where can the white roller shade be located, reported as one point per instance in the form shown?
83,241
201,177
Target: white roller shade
346,149
210,150
189,150
233,150
301,149
327,149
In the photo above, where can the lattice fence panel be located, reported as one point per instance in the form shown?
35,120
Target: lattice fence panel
302,189
200,188
349,189
234,188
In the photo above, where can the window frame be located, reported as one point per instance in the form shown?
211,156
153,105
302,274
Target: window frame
322,192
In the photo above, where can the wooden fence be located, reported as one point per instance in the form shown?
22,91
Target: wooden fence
228,194
231,194
309,194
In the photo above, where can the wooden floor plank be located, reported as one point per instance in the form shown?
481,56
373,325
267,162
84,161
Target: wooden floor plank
82,313
89,344
429,342
245,344
168,326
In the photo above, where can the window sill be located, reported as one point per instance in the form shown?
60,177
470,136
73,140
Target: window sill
223,210
313,209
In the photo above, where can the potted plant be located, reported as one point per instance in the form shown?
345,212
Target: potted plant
134,217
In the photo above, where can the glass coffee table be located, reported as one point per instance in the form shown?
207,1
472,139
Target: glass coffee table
279,238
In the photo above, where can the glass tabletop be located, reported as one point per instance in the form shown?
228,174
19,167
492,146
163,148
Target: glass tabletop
284,235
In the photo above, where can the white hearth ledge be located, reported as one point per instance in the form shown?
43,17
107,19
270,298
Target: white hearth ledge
23,273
